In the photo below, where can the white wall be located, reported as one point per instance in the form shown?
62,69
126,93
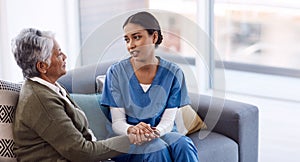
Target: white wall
59,16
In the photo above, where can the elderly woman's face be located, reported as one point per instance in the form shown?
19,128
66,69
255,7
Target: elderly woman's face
57,67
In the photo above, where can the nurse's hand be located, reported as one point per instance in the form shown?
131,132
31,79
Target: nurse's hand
145,129
143,133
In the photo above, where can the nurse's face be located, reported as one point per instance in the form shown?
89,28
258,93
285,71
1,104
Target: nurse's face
139,43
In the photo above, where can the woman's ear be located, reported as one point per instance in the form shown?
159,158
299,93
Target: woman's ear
42,67
155,36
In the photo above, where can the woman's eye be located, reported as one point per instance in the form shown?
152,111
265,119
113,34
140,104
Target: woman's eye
126,40
137,37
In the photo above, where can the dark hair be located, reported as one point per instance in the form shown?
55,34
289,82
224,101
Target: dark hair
148,21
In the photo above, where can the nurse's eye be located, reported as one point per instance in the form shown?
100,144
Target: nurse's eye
126,40
137,37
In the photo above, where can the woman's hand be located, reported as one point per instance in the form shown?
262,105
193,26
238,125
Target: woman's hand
142,132
131,138
156,131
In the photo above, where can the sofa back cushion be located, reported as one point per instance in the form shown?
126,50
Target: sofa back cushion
82,79
9,94
97,114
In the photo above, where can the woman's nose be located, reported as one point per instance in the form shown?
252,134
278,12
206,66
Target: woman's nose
64,56
131,45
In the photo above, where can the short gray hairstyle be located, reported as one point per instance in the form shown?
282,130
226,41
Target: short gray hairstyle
29,47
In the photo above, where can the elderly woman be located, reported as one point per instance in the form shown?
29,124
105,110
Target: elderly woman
48,125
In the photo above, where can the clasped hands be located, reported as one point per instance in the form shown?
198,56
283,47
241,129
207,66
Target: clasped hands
142,133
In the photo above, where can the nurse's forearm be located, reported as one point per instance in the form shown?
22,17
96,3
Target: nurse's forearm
166,123
119,124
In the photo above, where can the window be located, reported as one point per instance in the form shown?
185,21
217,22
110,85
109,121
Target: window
258,35
182,39
258,42
96,19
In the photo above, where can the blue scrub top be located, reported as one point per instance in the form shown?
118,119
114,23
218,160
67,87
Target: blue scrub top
122,89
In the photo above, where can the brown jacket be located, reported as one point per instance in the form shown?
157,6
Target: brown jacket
48,128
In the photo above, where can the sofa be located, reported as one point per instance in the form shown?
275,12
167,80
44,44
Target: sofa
232,127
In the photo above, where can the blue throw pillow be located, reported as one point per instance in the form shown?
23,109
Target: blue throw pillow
98,115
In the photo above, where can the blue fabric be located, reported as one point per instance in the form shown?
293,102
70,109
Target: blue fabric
155,150
181,147
168,90
122,89
170,147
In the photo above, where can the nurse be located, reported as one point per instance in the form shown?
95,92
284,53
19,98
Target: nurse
144,92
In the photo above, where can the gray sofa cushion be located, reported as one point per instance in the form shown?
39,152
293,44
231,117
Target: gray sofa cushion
215,147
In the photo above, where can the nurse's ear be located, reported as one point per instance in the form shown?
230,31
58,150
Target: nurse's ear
155,37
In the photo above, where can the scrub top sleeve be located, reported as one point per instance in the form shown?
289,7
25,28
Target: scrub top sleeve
178,95
109,89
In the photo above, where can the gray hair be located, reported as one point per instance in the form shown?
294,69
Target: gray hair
29,47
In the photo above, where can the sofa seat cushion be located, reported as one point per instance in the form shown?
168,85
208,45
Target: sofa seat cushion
215,147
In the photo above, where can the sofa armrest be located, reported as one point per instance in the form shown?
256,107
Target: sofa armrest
236,120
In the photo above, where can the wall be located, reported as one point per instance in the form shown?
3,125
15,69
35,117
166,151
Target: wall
59,16
101,28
